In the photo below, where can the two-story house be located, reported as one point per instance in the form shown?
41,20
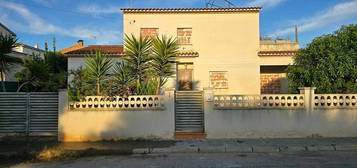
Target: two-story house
220,48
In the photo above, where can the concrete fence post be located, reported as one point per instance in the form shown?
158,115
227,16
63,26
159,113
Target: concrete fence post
62,108
309,94
169,96
208,94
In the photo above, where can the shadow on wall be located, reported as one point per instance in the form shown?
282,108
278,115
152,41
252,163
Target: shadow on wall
186,86
275,123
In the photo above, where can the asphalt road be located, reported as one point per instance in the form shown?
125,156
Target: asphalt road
308,159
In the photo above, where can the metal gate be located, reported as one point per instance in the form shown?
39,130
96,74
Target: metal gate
189,111
29,114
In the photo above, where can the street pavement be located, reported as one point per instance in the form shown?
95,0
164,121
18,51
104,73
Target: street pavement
220,153
306,159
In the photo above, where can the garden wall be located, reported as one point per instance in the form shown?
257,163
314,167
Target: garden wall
94,125
281,115
279,123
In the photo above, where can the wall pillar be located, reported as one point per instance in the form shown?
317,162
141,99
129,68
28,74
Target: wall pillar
62,108
309,93
169,94
208,94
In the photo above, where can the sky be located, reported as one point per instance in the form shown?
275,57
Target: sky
100,21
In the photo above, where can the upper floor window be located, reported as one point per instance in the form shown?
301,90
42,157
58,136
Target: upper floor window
184,35
149,32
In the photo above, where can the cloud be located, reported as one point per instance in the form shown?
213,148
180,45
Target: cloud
96,10
265,3
32,23
336,14
44,2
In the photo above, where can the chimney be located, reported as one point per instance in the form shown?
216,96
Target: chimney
80,42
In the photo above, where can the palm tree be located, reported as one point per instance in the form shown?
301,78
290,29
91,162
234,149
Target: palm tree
123,77
98,67
164,56
137,52
7,43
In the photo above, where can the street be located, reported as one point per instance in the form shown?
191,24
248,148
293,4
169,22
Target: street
326,159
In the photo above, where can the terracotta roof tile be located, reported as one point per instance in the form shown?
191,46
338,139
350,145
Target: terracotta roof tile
106,49
190,10
278,53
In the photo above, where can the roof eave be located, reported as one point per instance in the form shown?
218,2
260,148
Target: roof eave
189,10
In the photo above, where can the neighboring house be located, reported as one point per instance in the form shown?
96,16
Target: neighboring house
21,50
77,57
6,31
219,48
78,45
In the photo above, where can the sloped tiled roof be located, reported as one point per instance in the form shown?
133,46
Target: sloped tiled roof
190,10
278,53
115,50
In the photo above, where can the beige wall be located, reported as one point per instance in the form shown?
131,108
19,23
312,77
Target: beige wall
225,42
276,60
277,123
278,45
114,125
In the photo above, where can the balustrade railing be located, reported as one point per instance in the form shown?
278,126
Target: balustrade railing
335,100
118,102
259,101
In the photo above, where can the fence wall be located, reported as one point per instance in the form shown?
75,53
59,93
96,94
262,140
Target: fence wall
99,118
281,116
28,114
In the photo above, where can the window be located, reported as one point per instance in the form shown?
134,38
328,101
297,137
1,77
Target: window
149,32
184,35
218,79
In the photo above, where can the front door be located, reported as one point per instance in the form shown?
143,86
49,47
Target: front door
184,77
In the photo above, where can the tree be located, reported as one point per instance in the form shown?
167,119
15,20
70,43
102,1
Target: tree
98,67
46,74
124,78
7,43
137,56
80,85
329,63
34,75
164,56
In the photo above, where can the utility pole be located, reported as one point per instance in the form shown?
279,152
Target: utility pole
296,34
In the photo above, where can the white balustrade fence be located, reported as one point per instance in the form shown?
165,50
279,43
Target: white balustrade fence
118,102
259,101
335,100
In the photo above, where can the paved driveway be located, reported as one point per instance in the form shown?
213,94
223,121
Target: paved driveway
309,159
